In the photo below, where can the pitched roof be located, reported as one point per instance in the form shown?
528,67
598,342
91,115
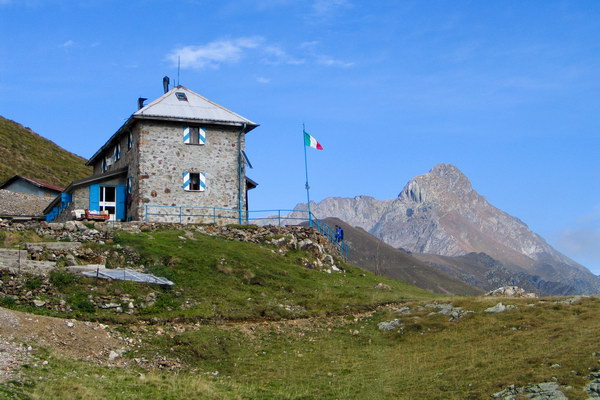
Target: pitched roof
36,182
195,108
182,103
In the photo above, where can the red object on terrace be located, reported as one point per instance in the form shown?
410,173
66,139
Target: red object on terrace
95,216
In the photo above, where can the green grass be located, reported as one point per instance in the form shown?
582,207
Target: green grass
274,329
347,357
216,279
23,152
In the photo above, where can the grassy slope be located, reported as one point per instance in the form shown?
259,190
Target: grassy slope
349,358
217,278
24,152
338,353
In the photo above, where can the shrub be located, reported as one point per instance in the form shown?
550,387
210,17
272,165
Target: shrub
62,278
34,283
80,302
7,302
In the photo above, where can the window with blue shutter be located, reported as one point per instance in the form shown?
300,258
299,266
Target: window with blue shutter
187,139
186,181
129,185
194,181
129,140
117,152
194,135
202,181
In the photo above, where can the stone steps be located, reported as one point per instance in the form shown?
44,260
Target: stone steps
17,261
53,246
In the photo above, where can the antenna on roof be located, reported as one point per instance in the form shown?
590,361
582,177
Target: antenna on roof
178,68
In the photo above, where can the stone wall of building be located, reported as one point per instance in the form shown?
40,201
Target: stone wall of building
128,156
164,157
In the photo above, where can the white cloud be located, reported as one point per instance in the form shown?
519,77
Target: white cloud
262,79
215,53
326,7
309,45
230,51
68,43
276,55
333,62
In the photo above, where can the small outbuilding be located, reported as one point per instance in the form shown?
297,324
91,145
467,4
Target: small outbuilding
23,184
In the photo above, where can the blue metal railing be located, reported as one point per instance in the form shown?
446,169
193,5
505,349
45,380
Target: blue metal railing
331,235
213,215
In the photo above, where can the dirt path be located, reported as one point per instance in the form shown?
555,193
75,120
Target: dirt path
86,341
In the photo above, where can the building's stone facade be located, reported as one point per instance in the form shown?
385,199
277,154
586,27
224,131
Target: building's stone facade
159,157
152,170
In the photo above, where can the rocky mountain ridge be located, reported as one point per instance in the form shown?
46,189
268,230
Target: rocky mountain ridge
440,213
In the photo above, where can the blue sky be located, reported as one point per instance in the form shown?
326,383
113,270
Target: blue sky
508,91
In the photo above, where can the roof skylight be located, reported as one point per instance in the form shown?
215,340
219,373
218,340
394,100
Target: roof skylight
181,96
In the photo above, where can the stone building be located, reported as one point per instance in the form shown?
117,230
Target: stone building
178,159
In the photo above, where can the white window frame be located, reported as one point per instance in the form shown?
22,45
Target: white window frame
103,204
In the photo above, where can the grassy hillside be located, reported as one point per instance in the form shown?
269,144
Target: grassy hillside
215,279
23,152
245,321
345,358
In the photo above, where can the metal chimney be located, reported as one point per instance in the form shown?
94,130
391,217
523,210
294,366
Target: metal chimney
166,84
141,101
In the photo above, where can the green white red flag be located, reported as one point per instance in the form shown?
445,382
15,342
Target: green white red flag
311,142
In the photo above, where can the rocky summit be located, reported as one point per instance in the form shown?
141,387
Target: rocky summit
440,213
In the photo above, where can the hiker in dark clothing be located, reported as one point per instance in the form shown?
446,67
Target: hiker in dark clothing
341,235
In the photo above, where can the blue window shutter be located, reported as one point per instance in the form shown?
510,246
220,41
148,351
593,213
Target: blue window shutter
187,135
186,181
201,136
202,181
121,206
95,197
65,198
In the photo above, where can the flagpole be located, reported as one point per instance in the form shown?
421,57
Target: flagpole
306,171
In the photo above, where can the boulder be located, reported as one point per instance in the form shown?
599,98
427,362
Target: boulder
498,308
389,325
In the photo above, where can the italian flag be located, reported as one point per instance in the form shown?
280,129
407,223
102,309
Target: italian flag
312,142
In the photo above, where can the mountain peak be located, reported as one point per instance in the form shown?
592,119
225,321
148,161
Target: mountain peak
446,170
441,180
